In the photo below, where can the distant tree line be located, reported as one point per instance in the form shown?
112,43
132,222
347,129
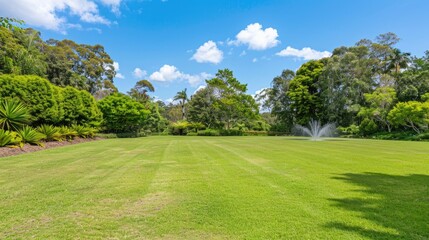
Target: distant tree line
369,88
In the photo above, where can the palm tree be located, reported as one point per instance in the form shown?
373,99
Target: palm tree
398,60
183,98
140,90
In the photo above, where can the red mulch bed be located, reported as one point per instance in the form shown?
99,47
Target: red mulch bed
7,151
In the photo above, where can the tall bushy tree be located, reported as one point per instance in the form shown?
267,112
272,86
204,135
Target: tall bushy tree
414,82
347,76
20,52
304,93
412,114
140,91
64,63
278,101
380,102
232,103
79,65
201,108
122,114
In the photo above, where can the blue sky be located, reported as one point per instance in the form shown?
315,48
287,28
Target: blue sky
159,40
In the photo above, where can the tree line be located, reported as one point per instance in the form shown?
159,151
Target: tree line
366,89
371,88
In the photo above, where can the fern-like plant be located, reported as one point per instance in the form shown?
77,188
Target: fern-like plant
84,132
9,139
50,132
13,114
30,135
67,133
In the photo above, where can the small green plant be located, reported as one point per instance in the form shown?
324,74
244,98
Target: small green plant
67,133
13,114
231,132
30,135
209,132
192,134
84,132
179,128
9,139
50,132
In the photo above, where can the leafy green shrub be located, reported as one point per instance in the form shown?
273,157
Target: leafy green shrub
36,93
208,132
402,135
231,132
84,132
8,138
413,115
79,107
421,137
255,133
350,131
192,134
49,104
121,135
179,128
13,114
275,133
131,135
122,114
368,127
67,133
30,135
50,132
195,126
106,135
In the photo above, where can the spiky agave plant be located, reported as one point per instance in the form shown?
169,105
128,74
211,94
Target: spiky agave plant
83,131
30,135
67,133
50,132
13,114
9,139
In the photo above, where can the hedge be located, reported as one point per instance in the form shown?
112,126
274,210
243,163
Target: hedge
50,104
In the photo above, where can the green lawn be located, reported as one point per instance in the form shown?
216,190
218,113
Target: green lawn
218,188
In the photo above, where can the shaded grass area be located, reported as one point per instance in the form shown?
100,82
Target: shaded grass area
218,188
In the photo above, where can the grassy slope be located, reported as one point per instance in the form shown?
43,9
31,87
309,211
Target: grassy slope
218,188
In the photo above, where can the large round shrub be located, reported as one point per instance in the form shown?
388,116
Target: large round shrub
36,93
49,104
122,114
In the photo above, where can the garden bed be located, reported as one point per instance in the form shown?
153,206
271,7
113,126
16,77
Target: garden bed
7,151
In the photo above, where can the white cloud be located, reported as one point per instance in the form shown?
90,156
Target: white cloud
99,31
194,80
166,73
256,38
116,68
139,73
169,73
46,13
113,4
208,52
119,75
305,53
254,60
243,53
